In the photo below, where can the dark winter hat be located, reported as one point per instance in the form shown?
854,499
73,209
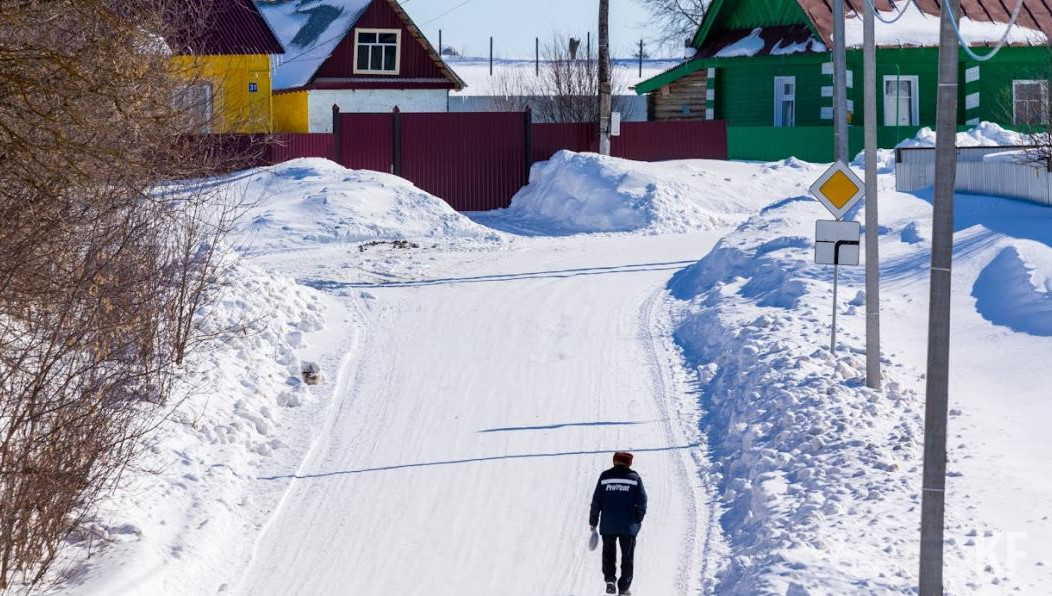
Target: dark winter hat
623,458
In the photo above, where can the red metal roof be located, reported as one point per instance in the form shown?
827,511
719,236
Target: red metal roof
231,27
1036,14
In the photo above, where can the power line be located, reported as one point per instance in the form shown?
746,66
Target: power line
445,13
1000,44
876,12
956,28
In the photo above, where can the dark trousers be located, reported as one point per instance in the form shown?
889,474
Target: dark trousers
628,553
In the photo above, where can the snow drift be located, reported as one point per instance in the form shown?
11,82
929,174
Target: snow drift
309,201
191,507
985,134
587,192
1012,293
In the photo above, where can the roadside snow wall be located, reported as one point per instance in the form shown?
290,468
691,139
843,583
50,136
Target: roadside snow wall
185,517
818,474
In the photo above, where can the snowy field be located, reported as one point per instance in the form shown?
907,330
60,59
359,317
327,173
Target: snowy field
478,373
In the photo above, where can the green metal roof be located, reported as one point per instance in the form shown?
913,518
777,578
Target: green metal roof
732,14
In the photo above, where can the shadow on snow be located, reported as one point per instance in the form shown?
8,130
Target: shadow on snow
472,460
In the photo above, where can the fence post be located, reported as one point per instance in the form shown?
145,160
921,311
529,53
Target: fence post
396,131
337,151
527,135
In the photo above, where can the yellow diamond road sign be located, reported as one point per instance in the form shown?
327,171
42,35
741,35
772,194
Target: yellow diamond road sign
838,189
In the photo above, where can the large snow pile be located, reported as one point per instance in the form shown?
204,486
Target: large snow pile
185,518
587,192
304,202
985,134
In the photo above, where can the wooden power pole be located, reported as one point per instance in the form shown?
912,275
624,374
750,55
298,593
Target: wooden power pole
605,101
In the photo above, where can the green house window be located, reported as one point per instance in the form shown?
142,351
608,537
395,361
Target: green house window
784,101
901,101
1030,102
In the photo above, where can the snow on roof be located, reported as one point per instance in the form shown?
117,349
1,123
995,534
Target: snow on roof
475,72
760,41
921,28
310,30
749,45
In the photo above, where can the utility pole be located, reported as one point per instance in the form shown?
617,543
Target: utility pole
933,495
537,56
869,58
839,83
839,122
641,58
605,101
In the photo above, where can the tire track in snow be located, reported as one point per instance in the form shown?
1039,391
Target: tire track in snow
696,571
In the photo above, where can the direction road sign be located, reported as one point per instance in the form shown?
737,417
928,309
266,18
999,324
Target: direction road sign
837,242
838,189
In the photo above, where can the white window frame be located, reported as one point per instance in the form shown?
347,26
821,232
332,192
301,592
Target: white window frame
779,98
185,101
398,51
914,81
1044,99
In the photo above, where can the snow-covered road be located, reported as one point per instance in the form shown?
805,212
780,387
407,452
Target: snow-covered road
467,435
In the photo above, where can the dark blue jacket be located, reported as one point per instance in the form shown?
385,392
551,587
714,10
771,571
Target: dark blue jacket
620,500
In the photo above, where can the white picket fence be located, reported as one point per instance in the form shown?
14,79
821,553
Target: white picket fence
979,171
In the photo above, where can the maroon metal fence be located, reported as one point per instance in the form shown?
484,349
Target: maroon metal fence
286,146
364,141
478,161
662,141
474,161
550,138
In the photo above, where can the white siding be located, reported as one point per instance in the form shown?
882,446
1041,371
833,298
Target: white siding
320,102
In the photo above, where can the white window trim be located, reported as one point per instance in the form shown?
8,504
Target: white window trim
208,99
398,52
778,97
914,100
1044,88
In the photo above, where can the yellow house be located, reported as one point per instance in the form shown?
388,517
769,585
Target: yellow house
227,71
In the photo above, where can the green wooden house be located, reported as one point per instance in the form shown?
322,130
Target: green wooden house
765,67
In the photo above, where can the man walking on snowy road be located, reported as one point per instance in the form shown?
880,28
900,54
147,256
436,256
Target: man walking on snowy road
621,502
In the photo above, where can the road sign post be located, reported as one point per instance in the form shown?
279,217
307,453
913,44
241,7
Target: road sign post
839,189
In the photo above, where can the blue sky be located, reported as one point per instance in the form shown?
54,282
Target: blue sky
514,23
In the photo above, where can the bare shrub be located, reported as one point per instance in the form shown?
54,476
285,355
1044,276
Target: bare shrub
100,275
566,89
676,21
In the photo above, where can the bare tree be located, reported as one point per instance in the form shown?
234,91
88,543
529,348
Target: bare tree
100,273
675,20
566,90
